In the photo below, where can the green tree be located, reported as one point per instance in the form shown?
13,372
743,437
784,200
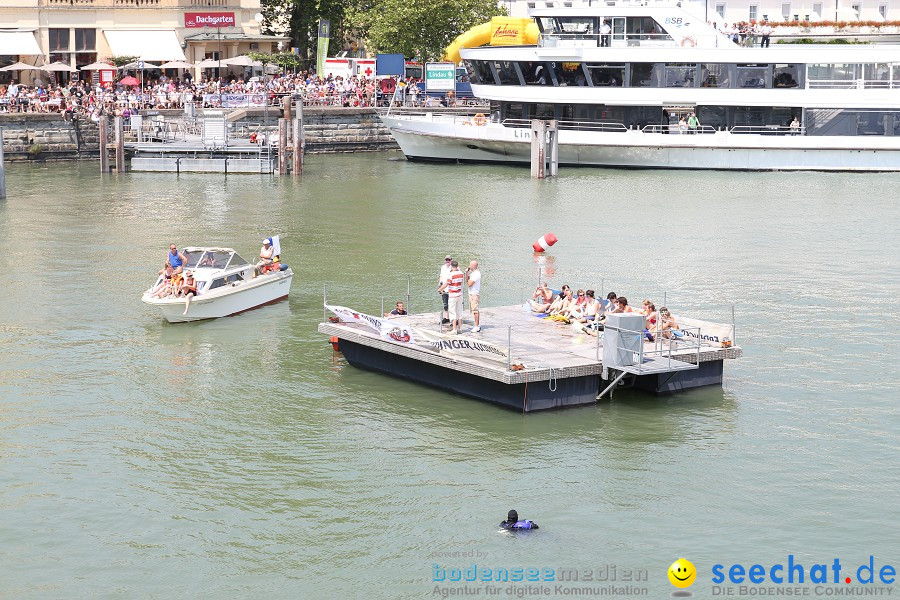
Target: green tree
418,28
300,20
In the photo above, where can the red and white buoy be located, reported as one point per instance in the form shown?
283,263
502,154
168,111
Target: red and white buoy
544,242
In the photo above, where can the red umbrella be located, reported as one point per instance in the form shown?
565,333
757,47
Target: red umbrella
129,81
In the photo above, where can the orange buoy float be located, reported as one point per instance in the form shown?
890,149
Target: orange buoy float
544,242
334,343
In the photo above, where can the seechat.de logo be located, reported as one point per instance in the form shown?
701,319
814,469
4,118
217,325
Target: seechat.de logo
682,573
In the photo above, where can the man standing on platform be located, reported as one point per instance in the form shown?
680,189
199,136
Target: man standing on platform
474,280
442,279
453,287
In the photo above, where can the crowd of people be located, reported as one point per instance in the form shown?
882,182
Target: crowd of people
85,97
744,33
583,308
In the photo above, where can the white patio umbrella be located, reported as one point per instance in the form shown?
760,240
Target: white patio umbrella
58,66
208,63
98,66
177,64
137,65
20,66
241,61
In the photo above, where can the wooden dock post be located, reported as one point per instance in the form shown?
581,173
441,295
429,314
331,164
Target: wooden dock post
299,142
544,148
282,147
120,145
538,148
297,151
553,141
104,140
2,169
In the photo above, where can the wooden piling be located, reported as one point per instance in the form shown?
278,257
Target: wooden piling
286,104
538,148
544,148
297,151
120,145
282,147
553,151
104,139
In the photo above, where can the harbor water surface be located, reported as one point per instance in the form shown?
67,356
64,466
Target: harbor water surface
239,457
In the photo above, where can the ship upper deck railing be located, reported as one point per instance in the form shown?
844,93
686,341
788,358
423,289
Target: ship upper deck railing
852,84
619,40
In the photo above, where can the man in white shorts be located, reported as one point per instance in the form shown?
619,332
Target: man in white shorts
453,286
474,279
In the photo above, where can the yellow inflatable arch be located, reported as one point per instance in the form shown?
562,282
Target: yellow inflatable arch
500,31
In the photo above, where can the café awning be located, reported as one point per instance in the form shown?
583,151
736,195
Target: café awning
19,43
146,44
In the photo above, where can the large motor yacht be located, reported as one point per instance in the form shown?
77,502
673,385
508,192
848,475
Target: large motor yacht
618,98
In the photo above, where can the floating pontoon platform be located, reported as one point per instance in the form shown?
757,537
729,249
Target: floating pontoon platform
562,367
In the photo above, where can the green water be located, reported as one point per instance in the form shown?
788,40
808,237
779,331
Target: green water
235,458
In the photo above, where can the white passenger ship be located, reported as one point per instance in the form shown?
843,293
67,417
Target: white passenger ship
618,98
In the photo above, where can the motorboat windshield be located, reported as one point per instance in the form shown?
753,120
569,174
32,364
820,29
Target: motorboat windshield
192,258
219,259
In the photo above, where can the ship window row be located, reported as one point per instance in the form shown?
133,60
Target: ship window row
691,75
772,120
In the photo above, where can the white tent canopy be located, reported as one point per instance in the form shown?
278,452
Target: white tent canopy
19,43
146,44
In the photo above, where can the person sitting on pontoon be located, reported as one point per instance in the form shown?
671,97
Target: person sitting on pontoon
542,298
591,308
562,302
667,325
398,311
575,310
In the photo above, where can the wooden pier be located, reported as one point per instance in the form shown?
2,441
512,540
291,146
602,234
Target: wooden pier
562,367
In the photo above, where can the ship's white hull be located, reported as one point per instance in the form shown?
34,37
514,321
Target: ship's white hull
226,300
430,138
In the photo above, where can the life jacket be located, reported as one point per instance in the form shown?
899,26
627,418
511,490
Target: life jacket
525,524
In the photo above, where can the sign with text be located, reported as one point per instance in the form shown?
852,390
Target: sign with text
209,19
440,77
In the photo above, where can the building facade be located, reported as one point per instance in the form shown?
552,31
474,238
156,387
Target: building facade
80,32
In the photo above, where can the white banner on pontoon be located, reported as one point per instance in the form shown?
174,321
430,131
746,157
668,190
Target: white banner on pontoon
466,346
390,331
710,333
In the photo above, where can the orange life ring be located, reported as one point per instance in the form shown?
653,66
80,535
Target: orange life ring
480,120
688,41
335,343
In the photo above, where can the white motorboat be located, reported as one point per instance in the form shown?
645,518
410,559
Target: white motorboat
624,99
226,285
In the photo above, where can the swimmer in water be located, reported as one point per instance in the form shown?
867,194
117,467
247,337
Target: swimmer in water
512,522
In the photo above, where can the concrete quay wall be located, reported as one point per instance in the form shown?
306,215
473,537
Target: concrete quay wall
34,136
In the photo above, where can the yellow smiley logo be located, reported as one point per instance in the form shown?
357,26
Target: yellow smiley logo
682,573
